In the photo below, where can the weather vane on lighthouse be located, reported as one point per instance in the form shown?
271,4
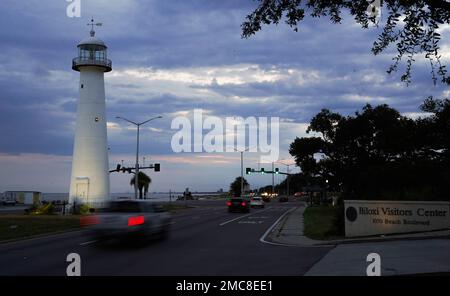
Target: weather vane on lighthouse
92,24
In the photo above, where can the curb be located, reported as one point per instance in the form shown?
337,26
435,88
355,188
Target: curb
266,237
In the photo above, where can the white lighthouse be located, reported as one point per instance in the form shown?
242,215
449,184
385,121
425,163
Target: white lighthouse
89,182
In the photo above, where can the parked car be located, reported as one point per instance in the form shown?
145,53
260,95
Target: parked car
129,219
238,204
257,202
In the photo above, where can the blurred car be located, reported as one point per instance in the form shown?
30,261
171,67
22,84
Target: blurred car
257,202
300,194
129,219
238,204
283,199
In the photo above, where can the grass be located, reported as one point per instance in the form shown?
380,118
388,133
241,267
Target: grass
319,223
22,226
173,208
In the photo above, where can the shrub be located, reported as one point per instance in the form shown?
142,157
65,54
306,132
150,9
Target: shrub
45,209
82,209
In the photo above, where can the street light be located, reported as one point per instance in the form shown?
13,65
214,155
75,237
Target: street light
138,125
242,166
287,176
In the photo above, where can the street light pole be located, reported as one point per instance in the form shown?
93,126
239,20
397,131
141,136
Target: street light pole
242,167
138,125
136,170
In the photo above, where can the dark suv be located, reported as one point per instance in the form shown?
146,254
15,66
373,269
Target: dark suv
238,204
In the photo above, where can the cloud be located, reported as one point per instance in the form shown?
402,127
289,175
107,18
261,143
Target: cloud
170,57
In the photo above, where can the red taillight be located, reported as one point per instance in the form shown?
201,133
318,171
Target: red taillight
229,203
138,220
89,220
243,204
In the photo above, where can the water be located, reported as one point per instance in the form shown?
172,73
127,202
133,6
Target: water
154,196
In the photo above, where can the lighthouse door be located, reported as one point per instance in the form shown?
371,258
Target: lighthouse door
82,189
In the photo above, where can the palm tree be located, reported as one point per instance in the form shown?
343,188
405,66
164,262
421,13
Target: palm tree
143,183
235,187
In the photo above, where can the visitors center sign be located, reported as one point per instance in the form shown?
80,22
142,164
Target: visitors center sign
372,217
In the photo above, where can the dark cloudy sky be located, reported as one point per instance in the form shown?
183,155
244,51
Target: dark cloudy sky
170,57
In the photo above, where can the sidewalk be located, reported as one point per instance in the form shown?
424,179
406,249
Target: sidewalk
401,254
396,258
289,231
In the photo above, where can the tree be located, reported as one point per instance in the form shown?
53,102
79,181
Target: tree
379,154
412,25
144,182
235,186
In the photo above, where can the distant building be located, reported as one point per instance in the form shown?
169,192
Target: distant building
21,197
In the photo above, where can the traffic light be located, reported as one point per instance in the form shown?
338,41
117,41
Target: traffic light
248,171
277,170
157,167
129,170
124,170
118,167
262,171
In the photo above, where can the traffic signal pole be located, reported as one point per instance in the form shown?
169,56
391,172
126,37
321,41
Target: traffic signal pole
131,170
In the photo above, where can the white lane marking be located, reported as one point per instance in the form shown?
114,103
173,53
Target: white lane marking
89,242
263,237
240,217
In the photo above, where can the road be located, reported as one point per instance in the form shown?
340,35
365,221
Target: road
205,240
